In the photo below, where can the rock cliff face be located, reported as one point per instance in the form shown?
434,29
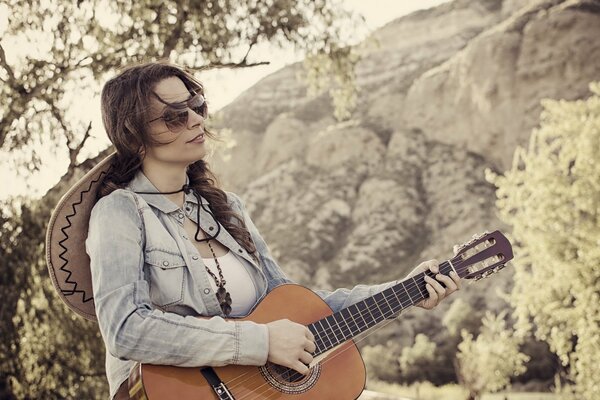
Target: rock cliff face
448,92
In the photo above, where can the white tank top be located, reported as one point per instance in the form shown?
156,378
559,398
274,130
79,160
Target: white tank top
239,282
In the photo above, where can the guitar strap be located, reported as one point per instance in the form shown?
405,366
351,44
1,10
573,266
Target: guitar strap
217,384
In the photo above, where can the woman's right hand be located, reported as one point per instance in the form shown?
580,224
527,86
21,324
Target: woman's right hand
290,345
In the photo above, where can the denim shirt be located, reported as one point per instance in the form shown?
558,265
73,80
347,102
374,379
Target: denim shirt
150,285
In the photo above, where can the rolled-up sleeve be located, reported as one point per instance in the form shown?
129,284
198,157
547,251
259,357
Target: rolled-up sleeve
135,330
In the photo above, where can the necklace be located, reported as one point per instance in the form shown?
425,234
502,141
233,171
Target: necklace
223,296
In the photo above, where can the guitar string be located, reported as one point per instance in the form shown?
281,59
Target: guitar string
374,306
333,356
338,353
412,284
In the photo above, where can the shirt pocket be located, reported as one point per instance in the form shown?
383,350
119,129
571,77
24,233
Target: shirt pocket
167,277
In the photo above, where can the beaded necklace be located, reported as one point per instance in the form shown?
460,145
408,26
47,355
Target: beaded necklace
223,296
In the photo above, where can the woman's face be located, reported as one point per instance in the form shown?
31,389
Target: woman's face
185,146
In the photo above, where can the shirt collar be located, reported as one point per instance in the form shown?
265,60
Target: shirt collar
141,183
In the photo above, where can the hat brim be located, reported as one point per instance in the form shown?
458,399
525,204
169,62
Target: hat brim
66,256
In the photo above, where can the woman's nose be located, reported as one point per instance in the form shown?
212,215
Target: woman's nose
194,118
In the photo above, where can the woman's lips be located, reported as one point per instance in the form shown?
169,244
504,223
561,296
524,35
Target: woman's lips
197,139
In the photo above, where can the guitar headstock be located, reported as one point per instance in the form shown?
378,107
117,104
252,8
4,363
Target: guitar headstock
482,256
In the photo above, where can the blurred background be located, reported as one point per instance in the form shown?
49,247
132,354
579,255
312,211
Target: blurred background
398,128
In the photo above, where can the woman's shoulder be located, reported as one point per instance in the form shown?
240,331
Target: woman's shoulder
120,202
233,199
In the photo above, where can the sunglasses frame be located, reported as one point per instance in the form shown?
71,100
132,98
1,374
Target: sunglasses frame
185,110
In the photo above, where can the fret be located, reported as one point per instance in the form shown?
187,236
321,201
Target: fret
404,302
400,298
340,325
365,313
361,316
318,342
423,295
409,296
374,312
324,336
385,297
379,302
333,325
347,318
357,312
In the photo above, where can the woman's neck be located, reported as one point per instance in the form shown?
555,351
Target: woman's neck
166,177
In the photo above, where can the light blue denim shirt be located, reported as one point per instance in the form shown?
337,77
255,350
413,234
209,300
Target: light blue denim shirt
150,285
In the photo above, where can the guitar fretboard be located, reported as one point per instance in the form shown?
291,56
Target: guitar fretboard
357,318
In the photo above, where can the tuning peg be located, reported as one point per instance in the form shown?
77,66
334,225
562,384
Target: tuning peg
499,267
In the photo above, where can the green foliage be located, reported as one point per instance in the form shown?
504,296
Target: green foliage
416,360
47,352
66,46
381,361
487,363
61,48
551,198
461,315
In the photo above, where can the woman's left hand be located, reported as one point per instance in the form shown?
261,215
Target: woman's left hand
436,291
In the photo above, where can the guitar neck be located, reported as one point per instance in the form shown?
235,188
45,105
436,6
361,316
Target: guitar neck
351,321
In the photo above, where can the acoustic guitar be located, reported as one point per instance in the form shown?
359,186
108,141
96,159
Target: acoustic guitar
337,371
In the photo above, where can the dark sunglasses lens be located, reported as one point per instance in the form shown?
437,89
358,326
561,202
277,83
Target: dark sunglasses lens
198,104
176,120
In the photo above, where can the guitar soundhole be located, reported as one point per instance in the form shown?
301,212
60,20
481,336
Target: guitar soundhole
286,374
287,380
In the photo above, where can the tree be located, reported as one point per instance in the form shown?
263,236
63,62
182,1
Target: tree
65,47
77,44
487,363
415,361
551,198
381,361
461,315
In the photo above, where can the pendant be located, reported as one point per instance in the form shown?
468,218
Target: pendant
224,299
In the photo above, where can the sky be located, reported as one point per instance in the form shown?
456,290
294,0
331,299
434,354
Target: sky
222,86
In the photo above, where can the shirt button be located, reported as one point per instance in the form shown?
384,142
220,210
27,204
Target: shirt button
206,291
180,216
241,251
210,228
165,263
194,257
188,209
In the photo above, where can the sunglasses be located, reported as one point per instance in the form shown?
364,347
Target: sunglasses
176,115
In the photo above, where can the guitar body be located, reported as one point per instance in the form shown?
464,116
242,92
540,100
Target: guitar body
339,375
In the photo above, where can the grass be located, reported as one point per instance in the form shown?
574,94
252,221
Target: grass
427,391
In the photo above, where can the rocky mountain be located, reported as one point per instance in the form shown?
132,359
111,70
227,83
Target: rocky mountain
448,92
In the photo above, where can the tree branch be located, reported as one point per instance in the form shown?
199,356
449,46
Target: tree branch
241,64
7,67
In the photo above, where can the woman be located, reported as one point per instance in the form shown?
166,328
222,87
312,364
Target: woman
167,245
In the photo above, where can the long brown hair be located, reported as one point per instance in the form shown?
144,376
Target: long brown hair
125,102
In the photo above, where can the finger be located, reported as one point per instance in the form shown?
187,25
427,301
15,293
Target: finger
306,358
433,296
455,249
456,279
298,366
310,346
441,291
309,335
433,266
448,282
